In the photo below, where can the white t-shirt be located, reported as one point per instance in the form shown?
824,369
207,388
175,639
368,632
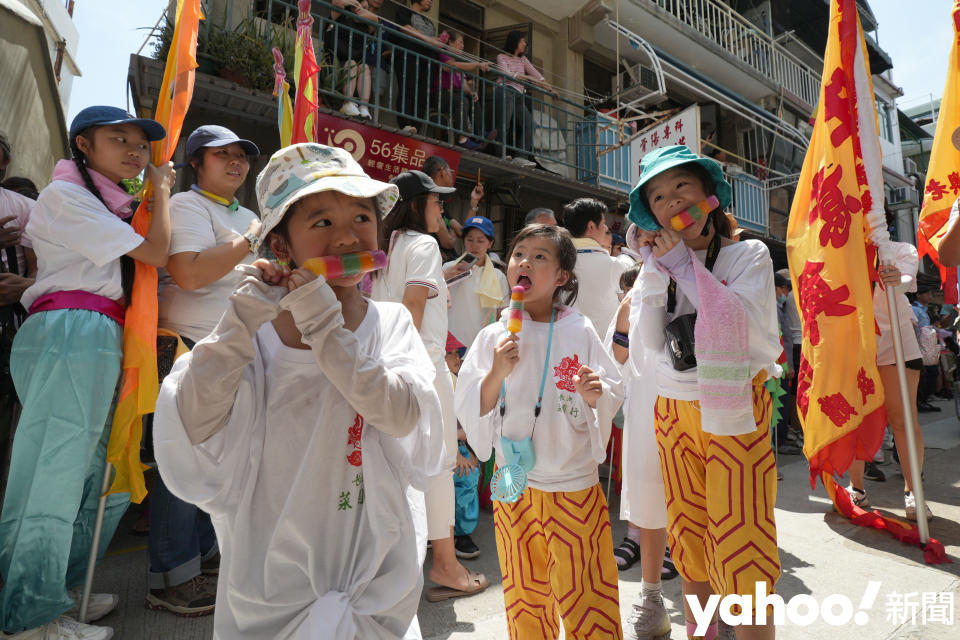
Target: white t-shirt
745,268
570,438
196,224
14,204
415,260
599,278
907,262
78,243
466,316
307,499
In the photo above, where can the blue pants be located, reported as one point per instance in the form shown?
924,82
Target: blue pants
180,536
65,365
467,508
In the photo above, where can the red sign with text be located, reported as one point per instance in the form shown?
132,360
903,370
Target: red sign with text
382,154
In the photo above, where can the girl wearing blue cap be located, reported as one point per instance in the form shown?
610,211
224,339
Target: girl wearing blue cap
210,234
66,364
706,305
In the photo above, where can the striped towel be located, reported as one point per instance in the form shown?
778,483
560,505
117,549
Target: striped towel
723,358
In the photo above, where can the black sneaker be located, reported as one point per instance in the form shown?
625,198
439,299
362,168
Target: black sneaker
465,547
870,472
926,407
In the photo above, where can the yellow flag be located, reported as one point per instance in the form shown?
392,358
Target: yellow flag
839,393
943,173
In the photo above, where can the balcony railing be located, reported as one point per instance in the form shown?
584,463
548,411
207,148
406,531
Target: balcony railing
405,82
727,28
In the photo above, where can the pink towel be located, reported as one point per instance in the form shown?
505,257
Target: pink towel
723,358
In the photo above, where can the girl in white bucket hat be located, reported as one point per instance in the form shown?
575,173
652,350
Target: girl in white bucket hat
299,423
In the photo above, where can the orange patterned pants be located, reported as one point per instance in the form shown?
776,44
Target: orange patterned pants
720,493
556,556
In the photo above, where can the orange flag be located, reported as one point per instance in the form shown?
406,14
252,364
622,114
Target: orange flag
943,173
305,70
836,226
138,395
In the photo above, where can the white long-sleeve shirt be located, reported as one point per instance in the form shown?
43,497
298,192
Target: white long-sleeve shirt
304,483
570,438
745,268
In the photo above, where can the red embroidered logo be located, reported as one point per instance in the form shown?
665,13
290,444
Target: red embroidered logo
354,433
565,372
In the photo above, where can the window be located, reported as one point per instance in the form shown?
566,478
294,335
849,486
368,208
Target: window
885,120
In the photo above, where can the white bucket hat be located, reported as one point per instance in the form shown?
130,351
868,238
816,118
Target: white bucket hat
300,170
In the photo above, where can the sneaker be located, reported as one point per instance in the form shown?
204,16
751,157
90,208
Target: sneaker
649,619
364,112
858,497
790,449
465,547
870,472
63,628
910,505
350,108
193,598
211,566
100,604
926,407
409,129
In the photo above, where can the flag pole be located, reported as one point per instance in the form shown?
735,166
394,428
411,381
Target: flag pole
95,545
922,525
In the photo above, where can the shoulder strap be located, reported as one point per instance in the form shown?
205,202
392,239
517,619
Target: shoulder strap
713,249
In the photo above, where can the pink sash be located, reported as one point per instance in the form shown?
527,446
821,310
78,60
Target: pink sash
76,299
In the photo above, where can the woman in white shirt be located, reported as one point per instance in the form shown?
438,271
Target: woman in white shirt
414,277
210,235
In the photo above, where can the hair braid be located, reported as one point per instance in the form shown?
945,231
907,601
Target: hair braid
127,266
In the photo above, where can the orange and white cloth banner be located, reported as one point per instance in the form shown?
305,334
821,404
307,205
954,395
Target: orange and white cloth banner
943,172
138,394
836,225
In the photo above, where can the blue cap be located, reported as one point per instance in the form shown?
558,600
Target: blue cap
479,222
213,135
660,160
102,115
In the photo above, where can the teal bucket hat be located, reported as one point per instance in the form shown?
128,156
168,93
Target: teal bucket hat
658,161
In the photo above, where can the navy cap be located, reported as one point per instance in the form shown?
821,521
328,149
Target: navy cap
416,183
479,222
213,135
102,115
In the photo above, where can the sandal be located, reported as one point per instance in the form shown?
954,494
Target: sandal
629,552
439,594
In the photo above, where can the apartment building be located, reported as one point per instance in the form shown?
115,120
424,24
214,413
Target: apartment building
737,80
38,48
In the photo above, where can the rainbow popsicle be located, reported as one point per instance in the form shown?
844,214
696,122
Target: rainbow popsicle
686,218
349,264
515,314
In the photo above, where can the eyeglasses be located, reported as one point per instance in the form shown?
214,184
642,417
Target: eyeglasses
438,202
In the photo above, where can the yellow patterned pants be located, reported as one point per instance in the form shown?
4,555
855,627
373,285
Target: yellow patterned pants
556,556
720,493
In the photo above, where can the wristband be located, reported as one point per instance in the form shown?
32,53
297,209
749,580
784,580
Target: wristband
621,339
253,240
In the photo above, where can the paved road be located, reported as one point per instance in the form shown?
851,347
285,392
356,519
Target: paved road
821,552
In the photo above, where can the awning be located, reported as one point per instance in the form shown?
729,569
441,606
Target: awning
30,108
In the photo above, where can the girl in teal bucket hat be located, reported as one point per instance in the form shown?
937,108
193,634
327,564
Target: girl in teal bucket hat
705,305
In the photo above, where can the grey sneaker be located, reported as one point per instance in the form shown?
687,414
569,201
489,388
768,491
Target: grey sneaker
191,599
100,604
910,506
648,620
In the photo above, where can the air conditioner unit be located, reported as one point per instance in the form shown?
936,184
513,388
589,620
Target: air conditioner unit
909,165
902,198
639,82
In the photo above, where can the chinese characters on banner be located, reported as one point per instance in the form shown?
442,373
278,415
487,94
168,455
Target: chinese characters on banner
683,128
382,154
